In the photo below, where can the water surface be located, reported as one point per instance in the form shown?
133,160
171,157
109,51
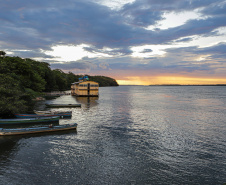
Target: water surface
129,135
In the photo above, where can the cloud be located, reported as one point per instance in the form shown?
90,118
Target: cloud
217,9
109,51
31,54
215,53
137,14
187,39
104,65
107,37
216,49
79,66
146,51
40,24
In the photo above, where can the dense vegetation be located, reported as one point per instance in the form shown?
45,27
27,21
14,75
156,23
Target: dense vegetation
21,80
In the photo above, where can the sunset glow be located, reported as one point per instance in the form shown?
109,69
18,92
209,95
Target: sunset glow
169,80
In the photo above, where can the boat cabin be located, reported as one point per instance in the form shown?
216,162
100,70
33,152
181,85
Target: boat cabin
85,88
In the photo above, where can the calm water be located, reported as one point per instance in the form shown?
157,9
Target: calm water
129,135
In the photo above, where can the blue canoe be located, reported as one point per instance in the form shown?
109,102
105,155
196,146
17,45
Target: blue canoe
34,130
29,120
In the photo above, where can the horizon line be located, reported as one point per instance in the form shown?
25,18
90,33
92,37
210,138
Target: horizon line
175,85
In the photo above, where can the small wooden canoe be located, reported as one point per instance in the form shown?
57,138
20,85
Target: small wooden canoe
62,105
51,114
34,130
29,120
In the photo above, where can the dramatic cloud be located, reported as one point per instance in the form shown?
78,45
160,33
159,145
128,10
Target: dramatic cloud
147,36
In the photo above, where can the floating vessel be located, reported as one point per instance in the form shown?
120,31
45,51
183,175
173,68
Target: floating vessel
45,114
29,120
62,105
85,88
52,112
34,130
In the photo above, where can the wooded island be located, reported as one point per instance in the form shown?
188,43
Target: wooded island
21,80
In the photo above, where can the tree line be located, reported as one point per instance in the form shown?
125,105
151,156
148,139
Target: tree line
21,80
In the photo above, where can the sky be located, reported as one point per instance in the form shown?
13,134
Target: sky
136,42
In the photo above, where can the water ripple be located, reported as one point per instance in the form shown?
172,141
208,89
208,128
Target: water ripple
129,135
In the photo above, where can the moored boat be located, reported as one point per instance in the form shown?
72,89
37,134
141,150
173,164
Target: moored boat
53,112
34,130
45,114
62,105
18,121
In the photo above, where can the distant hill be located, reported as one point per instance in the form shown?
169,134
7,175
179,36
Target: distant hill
104,81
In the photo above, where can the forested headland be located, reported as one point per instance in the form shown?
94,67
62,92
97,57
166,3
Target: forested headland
21,80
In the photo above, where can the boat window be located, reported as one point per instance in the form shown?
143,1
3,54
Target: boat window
94,85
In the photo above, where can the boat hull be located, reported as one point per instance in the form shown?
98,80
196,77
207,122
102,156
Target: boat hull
61,115
29,120
62,105
53,112
35,130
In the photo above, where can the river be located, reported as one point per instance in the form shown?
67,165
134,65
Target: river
129,135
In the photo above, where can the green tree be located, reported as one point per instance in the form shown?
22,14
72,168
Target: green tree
12,95
71,77
2,53
61,81
44,71
29,74
104,81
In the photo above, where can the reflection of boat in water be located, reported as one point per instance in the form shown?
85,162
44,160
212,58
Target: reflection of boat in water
34,130
8,145
45,114
88,101
29,120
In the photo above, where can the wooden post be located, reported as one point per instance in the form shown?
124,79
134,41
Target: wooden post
88,89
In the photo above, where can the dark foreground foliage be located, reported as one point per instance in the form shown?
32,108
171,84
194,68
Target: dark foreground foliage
21,80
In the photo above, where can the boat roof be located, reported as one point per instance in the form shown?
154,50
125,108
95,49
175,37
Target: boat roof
83,82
